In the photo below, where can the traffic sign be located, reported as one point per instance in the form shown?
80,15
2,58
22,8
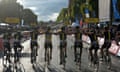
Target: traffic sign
91,20
12,20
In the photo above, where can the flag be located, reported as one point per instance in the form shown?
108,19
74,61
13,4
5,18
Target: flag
115,9
104,10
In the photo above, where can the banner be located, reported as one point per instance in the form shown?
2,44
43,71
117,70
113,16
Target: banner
104,10
115,9
12,20
91,20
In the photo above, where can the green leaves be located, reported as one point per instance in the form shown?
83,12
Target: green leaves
12,9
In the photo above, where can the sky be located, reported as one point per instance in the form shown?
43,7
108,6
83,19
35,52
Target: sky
45,9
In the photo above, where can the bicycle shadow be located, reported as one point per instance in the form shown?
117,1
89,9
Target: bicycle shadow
8,68
37,67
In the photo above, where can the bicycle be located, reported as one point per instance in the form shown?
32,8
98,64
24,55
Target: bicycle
107,58
94,60
18,65
6,57
9,68
8,65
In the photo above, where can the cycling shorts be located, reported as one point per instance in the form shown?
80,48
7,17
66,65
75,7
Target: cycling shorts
7,46
63,44
94,45
48,44
33,43
106,44
78,44
17,45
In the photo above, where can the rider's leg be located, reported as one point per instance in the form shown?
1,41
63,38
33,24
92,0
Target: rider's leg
60,55
107,50
15,54
95,55
9,57
45,54
102,52
50,51
75,52
65,49
91,54
36,49
80,51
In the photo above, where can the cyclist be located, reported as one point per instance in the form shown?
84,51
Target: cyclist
17,46
78,42
63,43
48,42
107,42
94,46
7,48
34,36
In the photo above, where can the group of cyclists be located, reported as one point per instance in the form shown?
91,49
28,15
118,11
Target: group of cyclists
9,48
93,33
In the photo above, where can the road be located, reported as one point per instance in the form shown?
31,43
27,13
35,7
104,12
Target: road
55,67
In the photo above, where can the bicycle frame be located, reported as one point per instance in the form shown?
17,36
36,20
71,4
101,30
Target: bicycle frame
33,54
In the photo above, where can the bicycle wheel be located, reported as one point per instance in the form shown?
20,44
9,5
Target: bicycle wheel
20,68
9,68
6,58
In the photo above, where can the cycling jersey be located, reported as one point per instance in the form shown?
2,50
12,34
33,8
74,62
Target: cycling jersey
93,37
107,42
94,41
48,37
34,35
78,36
107,35
6,44
17,42
6,37
62,36
18,36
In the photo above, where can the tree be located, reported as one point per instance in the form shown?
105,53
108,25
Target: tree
63,16
29,17
9,8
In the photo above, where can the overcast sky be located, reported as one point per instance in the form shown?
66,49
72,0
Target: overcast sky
45,9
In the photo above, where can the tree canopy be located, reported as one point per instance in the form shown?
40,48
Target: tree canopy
11,10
